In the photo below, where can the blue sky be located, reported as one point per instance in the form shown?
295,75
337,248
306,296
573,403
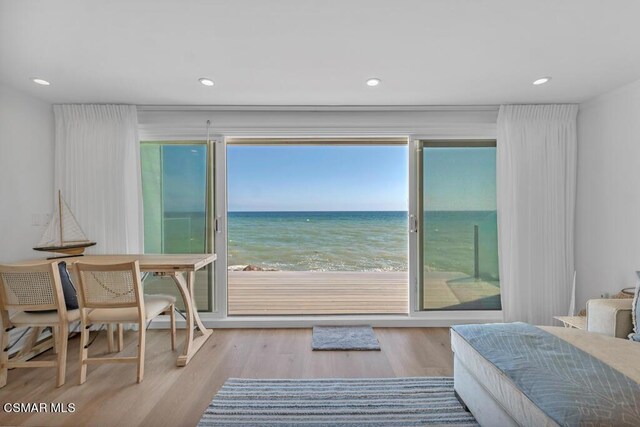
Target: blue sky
338,178
365,178
317,178
460,179
184,183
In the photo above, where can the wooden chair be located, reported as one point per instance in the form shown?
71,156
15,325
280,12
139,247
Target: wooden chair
34,296
112,294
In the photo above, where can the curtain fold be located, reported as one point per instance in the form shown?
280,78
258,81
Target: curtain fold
97,168
536,191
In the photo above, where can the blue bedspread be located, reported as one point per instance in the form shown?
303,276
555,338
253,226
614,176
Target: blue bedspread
569,385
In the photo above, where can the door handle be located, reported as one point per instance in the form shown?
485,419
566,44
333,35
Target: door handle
413,224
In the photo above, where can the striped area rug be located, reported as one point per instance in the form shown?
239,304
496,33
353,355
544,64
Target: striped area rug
336,402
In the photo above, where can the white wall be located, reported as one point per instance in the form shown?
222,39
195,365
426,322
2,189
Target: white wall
608,199
26,172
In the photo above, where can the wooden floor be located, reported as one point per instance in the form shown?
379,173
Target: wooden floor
172,396
313,292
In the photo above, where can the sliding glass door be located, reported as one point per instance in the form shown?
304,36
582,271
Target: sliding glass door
456,226
177,193
317,227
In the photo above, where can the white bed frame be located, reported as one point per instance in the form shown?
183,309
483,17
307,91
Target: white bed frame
491,396
476,399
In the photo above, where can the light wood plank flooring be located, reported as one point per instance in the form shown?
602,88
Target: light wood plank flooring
171,396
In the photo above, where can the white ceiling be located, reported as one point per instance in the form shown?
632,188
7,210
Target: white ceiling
319,52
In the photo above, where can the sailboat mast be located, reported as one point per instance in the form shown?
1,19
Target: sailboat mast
60,215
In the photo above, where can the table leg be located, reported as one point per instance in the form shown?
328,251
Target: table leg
31,348
191,278
30,342
191,345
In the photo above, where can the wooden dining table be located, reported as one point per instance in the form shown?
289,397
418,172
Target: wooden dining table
179,267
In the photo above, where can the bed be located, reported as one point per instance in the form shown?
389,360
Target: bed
526,388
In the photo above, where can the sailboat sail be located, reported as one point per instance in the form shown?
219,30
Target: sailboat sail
70,229
51,234
63,231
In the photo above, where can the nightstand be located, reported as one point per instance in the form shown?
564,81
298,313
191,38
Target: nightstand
578,322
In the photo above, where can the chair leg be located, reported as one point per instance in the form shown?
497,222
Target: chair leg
110,344
54,334
120,336
4,356
172,316
84,352
141,342
61,343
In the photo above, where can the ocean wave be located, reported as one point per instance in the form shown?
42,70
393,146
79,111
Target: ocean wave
357,241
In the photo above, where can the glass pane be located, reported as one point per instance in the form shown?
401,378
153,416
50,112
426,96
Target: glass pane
174,187
459,241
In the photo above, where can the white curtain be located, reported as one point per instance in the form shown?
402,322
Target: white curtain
97,168
536,184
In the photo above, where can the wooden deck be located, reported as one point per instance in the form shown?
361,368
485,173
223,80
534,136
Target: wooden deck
311,292
259,293
458,291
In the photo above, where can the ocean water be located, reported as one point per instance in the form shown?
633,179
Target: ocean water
343,241
319,241
360,241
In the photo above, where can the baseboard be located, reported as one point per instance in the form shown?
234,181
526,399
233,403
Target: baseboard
446,320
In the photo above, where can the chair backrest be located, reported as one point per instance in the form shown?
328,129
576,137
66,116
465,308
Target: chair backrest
109,285
33,287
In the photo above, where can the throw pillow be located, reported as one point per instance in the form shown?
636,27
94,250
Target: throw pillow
69,291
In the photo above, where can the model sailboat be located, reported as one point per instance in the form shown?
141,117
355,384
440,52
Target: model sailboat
63,234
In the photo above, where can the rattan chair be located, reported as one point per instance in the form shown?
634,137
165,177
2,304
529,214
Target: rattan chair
112,294
32,296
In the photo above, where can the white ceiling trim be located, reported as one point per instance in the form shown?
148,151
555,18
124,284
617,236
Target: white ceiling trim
173,133
188,124
331,108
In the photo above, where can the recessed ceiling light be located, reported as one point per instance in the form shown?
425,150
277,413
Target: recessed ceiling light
205,81
40,81
542,81
373,82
